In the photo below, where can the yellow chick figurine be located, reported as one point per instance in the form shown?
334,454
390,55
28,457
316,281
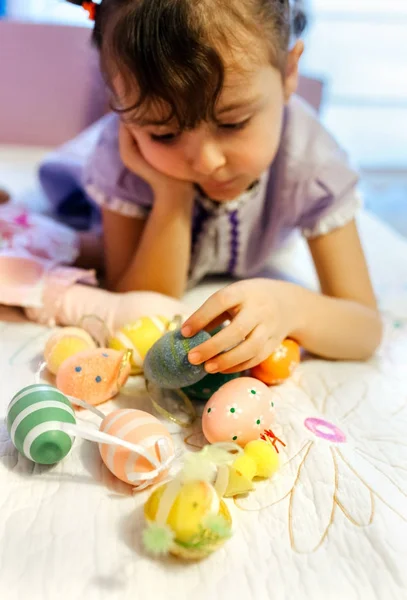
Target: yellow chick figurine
259,459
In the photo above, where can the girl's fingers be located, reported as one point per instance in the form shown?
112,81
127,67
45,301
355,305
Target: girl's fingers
229,337
217,305
270,347
248,350
219,321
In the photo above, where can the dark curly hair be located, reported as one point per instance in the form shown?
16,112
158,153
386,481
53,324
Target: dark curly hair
170,51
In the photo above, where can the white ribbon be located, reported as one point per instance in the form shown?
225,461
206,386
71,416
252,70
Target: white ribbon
162,445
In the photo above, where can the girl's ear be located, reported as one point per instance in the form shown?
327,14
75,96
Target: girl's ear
291,70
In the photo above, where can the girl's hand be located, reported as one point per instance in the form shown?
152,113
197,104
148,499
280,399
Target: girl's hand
162,185
263,313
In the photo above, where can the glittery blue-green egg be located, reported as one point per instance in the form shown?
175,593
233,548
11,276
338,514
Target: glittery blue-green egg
167,364
206,387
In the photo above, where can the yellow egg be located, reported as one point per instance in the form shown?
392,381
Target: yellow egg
192,504
65,343
195,501
139,337
264,456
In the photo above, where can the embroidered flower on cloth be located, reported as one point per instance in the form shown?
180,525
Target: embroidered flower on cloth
344,427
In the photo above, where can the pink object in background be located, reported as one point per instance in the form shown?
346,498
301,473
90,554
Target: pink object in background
51,88
32,249
37,284
22,280
37,235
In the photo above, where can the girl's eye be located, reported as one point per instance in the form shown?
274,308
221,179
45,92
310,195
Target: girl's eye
234,126
167,138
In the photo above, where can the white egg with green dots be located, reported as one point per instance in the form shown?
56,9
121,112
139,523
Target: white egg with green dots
34,418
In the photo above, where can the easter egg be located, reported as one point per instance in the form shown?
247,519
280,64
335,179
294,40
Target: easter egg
139,337
167,363
32,423
76,332
206,387
186,515
280,365
238,412
64,348
65,343
137,427
94,375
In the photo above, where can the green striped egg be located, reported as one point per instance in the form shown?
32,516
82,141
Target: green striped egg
33,417
167,364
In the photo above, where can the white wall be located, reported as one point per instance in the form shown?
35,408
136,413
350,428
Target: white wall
360,47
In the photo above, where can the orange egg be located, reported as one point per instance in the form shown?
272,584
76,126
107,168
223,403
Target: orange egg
136,427
94,375
280,365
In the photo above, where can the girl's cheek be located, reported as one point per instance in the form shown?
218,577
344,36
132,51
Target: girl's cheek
265,143
165,159
255,153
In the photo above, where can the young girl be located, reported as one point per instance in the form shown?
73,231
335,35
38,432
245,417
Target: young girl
209,163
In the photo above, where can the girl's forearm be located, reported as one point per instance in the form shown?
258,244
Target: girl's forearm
161,262
335,328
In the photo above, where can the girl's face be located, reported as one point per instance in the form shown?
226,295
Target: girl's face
225,157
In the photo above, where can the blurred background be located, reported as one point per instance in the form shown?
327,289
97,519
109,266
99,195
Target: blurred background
355,67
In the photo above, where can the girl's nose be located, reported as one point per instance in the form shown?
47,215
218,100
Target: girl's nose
204,155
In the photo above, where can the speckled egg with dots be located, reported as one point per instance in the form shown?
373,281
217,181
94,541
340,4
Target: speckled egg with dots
94,375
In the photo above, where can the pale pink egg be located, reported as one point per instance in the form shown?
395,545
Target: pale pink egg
238,412
137,427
